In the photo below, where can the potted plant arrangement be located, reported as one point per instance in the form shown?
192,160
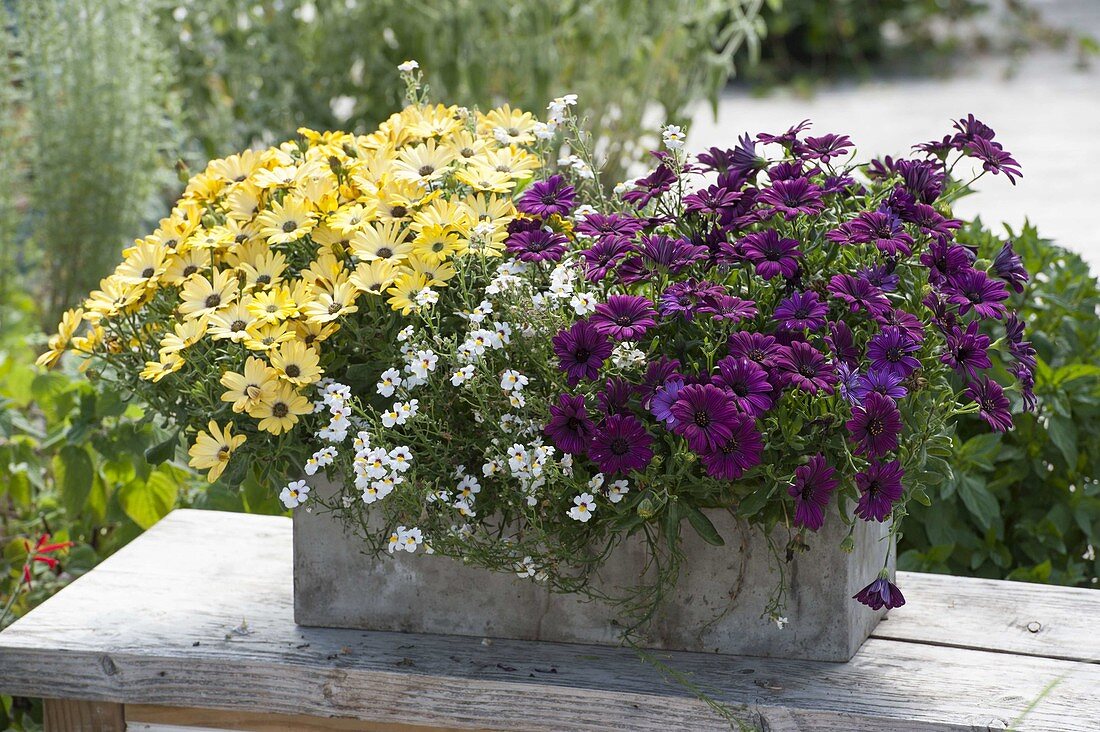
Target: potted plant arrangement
493,391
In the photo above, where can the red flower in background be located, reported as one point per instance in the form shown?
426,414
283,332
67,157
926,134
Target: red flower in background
42,552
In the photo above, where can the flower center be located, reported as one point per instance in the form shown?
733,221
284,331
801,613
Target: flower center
263,279
147,272
582,354
619,446
213,301
876,427
398,212
189,270
335,308
237,326
807,370
289,226
293,371
702,418
384,253
279,409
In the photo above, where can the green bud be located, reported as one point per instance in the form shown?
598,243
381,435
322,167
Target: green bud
647,508
848,545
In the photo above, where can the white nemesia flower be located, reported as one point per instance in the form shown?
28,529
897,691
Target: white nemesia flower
376,463
464,508
468,487
397,538
583,303
294,494
408,66
543,130
424,363
405,333
513,380
526,567
491,468
401,458
626,355
517,458
461,375
517,400
584,506
503,331
361,443
674,137
427,296
567,465
585,209
595,482
411,540
388,382
617,490
391,416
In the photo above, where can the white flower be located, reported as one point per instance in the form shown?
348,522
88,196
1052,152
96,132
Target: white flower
376,463
388,382
543,130
479,313
400,458
517,400
627,355
526,567
583,210
390,417
294,494
468,487
441,495
513,380
491,468
411,540
320,459
407,410
503,331
584,506
462,375
595,482
477,341
464,508
408,66
583,303
397,538
405,333
567,465
617,490
361,443
424,363
517,458
621,188
780,621
427,296
673,137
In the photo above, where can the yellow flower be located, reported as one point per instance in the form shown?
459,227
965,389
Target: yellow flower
374,277
437,274
70,321
350,219
114,296
310,332
265,336
423,163
381,241
273,306
330,238
144,264
330,306
508,126
184,334
439,212
247,390
236,168
297,363
436,244
512,160
465,146
403,291
279,176
202,296
214,450
279,412
215,238
231,323
287,221
156,370
430,121
486,179
182,265
243,202
324,273
266,270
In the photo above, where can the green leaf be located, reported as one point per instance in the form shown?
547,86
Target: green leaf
702,525
753,503
73,471
150,501
979,501
1063,433
162,451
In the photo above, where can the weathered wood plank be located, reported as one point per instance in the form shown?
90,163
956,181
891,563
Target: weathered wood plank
71,715
160,623
149,718
1014,617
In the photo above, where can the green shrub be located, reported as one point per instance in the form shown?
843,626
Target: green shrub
1026,504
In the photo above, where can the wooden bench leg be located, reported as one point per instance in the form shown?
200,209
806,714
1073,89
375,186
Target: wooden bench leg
71,715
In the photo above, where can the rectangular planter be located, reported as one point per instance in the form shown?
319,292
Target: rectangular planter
716,606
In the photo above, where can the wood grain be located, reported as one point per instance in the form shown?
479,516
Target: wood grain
148,718
197,613
70,715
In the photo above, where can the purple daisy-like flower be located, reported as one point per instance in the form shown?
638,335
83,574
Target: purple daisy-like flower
651,186
663,399
811,490
879,487
686,298
615,396
995,159
842,234
974,289
847,378
748,383
881,276
945,260
600,225
801,311
882,593
883,229
705,416
602,256
625,317
657,372
770,254
620,445
923,179
757,347
740,451
672,254
581,351
931,222
794,197
742,159
728,307
569,427
804,367
547,197
785,138
967,350
712,201
885,382
842,343
892,349
875,425
992,403
1009,267
908,323
858,294
823,148
537,245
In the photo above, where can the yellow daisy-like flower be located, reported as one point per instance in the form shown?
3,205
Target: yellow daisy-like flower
236,168
231,323
287,221
114,297
202,296
436,273
436,244
279,176
374,277
184,334
265,271
182,265
332,305
145,264
273,306
350,219
297,363
215,238
246,391
59,342
213,450
279,412
508,126
243,202
440,212
403,291
512,160
265,336
486,179
423,163
156,370
465,146
331,239
431,120
381,241
310,332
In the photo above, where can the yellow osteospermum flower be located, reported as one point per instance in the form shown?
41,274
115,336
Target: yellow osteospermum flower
213,450
113,297
297,363
486,179
169,363
381,241
374,277
246,391
265,336
330,306
236,168
181,265
273,306
423,163
403,291
279,412
184,334
59,342
231,323
144,264
350,219
287,221
508,126
202,296
310,332
437,273
436,244
264,271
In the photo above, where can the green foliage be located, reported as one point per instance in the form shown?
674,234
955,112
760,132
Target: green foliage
1026,504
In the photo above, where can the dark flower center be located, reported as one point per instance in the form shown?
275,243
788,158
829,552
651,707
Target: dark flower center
426,170
582,354
289,226
147,272
702,418
987,405
875,427
263,279
398,212
893,354
213,301
190,270
740,388
802,313
807,370
280,410
730,447
237,326
757,355
624,320
384,253
619,446
573,424
873,488
293,371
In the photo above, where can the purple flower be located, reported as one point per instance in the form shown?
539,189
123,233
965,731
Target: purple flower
712,201
875,425
569,427
600,225
881,276
930,222
966,350
1020,349
688,297
858,294
581,351
944,261
537,245
884,229
747,382
673,254
663,399
823,148
995,159
657,372
792,197
847,379
992,403
801,311
547,197
785,138
923,179
771,255
909,324
882,593
885,382
742,159
740,451
969,130
728,307
973,288
705,416
624,317
892,350
804,367
879,487
811,490
621,445
757,347
650,187
603,255
842,343
615,396
1009,267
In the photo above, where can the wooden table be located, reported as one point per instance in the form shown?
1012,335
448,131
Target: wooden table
190,626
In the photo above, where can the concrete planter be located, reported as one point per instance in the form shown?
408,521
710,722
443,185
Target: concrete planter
716,606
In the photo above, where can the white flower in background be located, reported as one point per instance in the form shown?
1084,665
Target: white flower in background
468,488
361,443
425,362
583,303
320,459
491,468
517,400
397,538
583,210
408,66
464,508
294,494
674,137
626,355
385,485
503,331
583,507
517,458
567,465
539,456
543,130
479,313
595,482
412,539
526,567
580,168
388,382
371,493
441,495
412,381
780,621
513,380
400,458
621,188
427,297
461,375
376,463
478,341
407,410
390,416
617,490
405,333
336,395
493,339
558,107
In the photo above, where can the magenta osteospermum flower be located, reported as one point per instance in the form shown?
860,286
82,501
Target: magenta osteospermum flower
801,311
650,187
823,148
945,260
1009,267
687,298
602,256
581,351
771,255
757,347
625,317
600,225
883,229
792,197
875,425
892,350
537,245
569,427
966,350
663,399
858,294
547,197
882,593
812,488
879,487
887,383
748,383
995,159
804,367
992,403
730,458
621,445
973,288
705,416
728,307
